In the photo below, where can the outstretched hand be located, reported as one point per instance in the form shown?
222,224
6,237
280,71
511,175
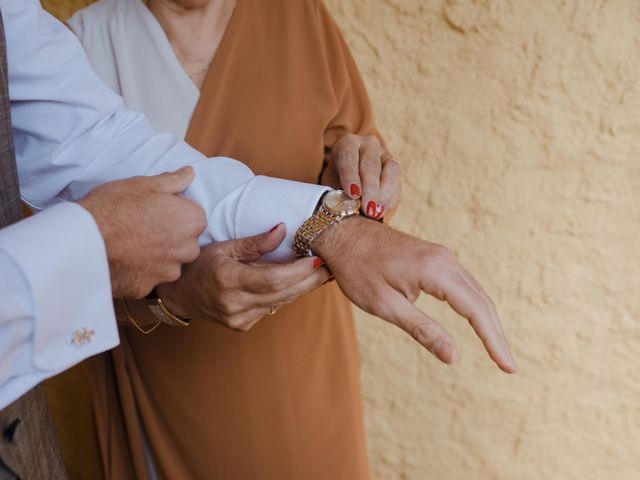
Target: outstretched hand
228,285
383,271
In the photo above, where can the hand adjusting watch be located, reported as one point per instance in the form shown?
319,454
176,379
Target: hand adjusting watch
334,207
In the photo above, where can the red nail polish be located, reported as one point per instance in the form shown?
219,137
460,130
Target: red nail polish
317,263
355,189
274,228
379,212
371,209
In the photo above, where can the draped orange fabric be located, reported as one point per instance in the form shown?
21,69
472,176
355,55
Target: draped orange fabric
281,401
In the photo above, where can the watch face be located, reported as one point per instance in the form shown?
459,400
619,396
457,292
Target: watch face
337,202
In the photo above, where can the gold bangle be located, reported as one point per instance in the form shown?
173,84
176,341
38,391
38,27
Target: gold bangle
135,324
180,321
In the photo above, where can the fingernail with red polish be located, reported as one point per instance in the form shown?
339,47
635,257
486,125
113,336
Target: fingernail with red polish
371,209
274,228
379,211
355,189
317,263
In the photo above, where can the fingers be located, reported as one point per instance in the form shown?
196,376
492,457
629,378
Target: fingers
250,249
172,182
287,295
424,329
262,305
272,277
370,171
390,182
346,158
367,171
477,307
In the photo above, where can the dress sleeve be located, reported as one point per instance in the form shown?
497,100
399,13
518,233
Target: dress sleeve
353,110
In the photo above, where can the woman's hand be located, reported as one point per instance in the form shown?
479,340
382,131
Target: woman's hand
227,285
364,169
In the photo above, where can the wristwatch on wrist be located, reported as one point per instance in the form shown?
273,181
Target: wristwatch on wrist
334,207
162,313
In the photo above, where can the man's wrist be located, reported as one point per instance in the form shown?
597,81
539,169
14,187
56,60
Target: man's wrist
338,240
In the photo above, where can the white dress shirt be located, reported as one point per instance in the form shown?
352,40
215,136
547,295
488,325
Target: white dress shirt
72,133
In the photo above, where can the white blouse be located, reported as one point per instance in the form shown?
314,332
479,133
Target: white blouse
130,52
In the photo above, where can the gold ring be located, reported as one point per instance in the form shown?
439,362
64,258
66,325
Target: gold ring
273,310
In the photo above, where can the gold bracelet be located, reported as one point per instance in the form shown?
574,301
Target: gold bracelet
135,324
179,321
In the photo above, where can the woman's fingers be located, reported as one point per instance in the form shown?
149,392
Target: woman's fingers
262,305
367,171
346,158
424,329
370,170
390,182
287,295
478,308
250,249
261,278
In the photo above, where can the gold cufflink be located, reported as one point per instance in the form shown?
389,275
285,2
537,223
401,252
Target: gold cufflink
81,337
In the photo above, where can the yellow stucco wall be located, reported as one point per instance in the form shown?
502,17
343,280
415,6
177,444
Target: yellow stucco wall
518,124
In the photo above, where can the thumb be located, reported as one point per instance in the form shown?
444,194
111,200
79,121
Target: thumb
250,249
173,182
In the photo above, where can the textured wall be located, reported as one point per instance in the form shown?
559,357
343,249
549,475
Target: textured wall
518,123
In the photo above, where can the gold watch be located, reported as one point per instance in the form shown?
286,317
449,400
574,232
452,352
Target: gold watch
334,207
162,313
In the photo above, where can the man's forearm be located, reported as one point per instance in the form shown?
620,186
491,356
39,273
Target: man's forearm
72,133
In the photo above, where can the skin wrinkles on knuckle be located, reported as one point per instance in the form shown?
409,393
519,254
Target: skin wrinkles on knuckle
371,159
272,282
392,168
243,323
234,323
346,159
227,276
347,140
228,305
426,333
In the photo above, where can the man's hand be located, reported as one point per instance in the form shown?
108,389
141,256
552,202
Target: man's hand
364,169
148,229
383,272
226,284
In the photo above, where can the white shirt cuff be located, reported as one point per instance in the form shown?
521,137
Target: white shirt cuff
268,201
62,257
239,204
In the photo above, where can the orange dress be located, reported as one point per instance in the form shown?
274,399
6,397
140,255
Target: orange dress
281,401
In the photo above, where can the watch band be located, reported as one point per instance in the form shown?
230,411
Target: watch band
311,229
